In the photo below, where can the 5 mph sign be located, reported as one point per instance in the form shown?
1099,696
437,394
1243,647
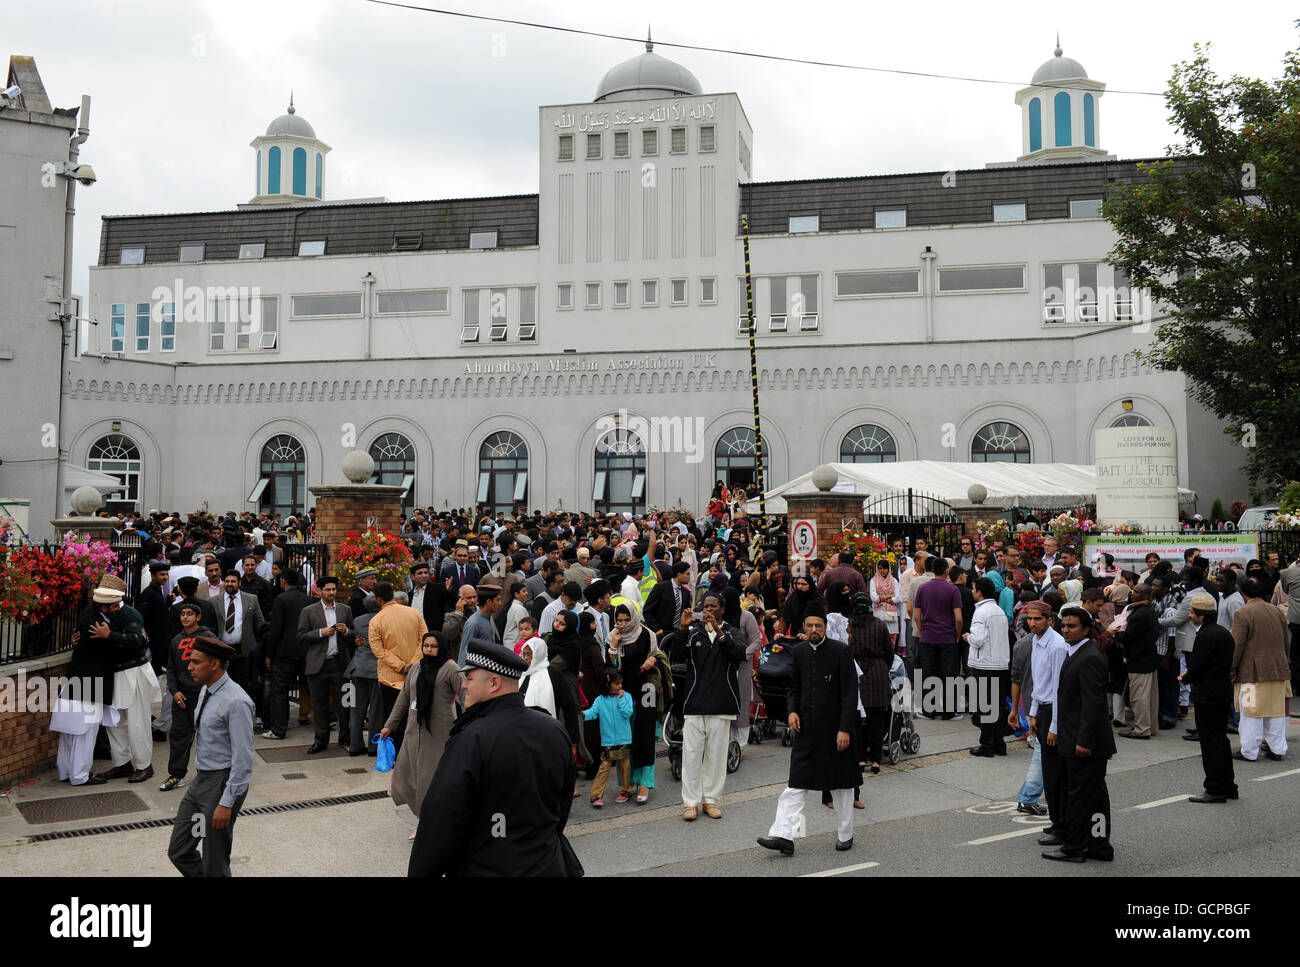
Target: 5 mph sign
803,539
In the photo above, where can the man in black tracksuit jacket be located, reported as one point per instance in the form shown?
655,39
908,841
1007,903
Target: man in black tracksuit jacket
184,692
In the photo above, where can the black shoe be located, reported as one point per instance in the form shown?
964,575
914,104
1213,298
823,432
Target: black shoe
1031,808
317,747
1273,755
1232,795
981,753
1232,730
140,775
123,771
356,751
374,753
1051,839
94,781
783,846
172,782
1062,856
1107,857
159,735
841,846
1191,736
1000,749
1207,797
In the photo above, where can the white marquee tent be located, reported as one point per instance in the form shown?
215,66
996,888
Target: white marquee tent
1047,486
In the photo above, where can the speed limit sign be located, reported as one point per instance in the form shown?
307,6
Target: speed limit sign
803,539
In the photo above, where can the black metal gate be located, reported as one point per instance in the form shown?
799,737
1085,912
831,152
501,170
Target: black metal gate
1285,542
912,514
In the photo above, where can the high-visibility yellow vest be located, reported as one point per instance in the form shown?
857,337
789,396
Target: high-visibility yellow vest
618,599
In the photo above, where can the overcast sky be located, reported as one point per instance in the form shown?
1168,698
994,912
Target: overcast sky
423,106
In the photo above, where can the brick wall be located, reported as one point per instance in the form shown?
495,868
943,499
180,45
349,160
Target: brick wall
828,512
340,509
27,746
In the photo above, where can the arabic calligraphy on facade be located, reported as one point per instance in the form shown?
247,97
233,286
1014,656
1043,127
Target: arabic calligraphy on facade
658,113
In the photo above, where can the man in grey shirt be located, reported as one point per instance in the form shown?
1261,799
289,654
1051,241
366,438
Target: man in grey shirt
480,623
1022,696
223,740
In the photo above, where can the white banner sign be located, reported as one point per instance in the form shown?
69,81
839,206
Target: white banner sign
1137,476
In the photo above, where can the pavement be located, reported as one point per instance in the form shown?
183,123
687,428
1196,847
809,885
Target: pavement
941,812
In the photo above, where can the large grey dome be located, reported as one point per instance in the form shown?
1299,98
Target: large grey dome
1059,69
291,124
647,75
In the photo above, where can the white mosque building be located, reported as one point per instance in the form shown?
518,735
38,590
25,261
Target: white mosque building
514,350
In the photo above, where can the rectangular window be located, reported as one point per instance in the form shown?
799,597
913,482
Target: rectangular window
1087,292
498,332
497,306
650,292
528,332
649,141
679,292
270,322
192,251
528,304
566,147
598,489
416,300
564,295
142,327
470,302
407,241
483,239
593,147
1085,208
252,250
484,479
810,313
891,218
708,291
620,295
1053,293
677,141
117,329
984,278
217,312
342,304
310,247
132,255
776,289
1010,212
167,327
804,223
850,284
620,144
708,137
593,295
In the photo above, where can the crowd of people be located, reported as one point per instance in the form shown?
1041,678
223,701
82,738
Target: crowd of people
597,613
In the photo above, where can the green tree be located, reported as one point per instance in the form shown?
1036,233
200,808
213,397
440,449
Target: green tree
1213,233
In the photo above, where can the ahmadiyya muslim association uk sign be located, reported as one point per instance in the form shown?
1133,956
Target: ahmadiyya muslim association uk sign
1137,476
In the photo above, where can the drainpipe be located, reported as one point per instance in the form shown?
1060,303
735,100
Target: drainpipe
368,281
928,257
67,324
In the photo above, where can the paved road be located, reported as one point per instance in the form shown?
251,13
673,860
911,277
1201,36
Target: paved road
942,813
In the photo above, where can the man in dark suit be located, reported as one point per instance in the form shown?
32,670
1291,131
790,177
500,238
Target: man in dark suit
663,608
460,570
428,597
1084,742
284,653
325,634
154,608
241,625
1077,571
367,578
1209,672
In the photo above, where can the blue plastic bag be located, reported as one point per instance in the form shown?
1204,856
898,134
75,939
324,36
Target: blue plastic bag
386,756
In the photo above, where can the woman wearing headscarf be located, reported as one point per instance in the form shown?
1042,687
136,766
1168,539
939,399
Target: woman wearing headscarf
886,599
1006,597
630,645
839,601
802,594
536,683
874,653
591,675
1072,588
429,694
564,654
733,614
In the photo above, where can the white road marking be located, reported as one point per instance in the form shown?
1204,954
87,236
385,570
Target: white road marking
1163,802
1036,831
1276,775
843,869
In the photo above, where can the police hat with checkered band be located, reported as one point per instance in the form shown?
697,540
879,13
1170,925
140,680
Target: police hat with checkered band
490,656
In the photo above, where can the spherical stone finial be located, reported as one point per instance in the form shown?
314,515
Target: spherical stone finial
825,477
977,493
86,500
358,466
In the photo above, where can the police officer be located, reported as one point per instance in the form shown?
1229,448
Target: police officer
223,739
498,802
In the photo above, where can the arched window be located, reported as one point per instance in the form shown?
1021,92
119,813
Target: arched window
1131,419
320,172
502,472
258,189
300,171
284,469
1089,121
118,456
620,473
1000,443
273,170
868,443
1062,103
394,457
1035,124
735,459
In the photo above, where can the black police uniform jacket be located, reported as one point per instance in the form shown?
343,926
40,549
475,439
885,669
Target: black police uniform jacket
823,689
500,797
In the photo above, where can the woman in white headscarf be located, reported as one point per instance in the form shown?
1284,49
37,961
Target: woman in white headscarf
538,691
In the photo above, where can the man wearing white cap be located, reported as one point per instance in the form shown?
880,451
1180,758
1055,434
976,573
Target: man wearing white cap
135,688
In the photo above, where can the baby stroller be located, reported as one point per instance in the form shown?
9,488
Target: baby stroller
675,723
775,668
900,736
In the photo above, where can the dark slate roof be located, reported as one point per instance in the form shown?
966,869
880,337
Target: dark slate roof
355,228
850,203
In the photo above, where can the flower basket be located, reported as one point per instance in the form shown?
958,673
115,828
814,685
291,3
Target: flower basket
1284,522
1030,543
90,559
989,533
865,549
385,552
36,583
1128,528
